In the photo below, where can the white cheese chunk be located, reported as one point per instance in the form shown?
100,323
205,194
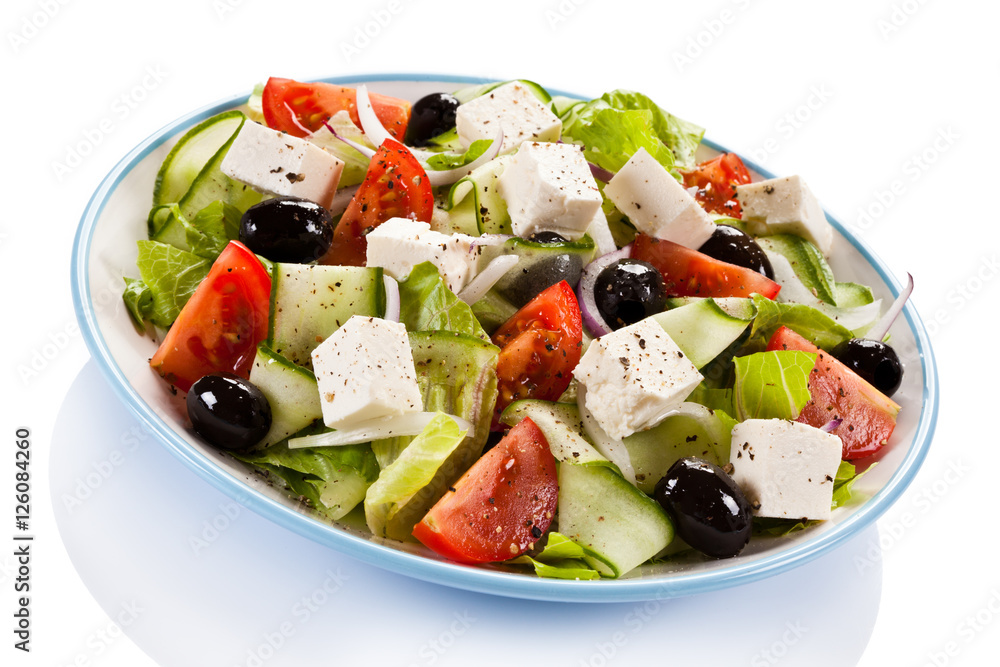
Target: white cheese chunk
786,469
515,108
785,206
399,244
365,371
280,164
549,188
635,377
657,204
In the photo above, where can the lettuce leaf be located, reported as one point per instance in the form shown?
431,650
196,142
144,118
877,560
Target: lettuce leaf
213,228
138,300
773,384
634,120
332,479
171,275
812,324
441,161
412,470
562,558
426,304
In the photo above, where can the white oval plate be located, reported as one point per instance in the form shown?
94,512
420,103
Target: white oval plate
104,251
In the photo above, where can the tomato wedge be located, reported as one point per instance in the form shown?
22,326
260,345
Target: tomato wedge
716,180
395,186
539,348
868,417
688,272
218,329
301,108
501,506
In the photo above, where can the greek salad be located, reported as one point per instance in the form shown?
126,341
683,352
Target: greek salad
516,328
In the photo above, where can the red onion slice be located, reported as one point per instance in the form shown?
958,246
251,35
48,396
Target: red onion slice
831,425
881,328
592,318
487,278
391,298
600,173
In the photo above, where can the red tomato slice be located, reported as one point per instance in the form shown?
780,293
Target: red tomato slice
716,180
218,329
867,416
395,186
688,272
501,506
539,348
301,108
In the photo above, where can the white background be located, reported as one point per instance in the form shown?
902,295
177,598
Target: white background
887,107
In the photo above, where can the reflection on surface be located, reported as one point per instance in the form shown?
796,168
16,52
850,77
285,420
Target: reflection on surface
195,579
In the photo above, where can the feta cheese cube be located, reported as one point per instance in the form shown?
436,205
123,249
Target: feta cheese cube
657,204
365,371
549,187
399,244
785,206
280,164
786,469
515,108
634,377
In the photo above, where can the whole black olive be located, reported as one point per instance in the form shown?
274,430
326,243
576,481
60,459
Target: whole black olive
228,411
728,244
430,116
627,291
287,229
874,361
709,510
547,237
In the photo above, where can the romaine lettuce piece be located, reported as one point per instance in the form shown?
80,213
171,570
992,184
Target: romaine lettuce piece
172,275
773,384
426,304
412,470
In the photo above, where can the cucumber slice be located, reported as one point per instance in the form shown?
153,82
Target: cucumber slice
853,295
466,94
308,303
693,431
474,203
492,311
189,156
562,427
702,329
807,261
209,184
603,512
290,389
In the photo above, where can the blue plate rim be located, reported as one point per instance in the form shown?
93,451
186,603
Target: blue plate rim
459,576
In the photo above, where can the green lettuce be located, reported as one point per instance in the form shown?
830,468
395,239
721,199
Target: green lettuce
441,161
773,384
138,301
426,304
213,228
412,470
812,324
332,479
638,122
562,558
171,275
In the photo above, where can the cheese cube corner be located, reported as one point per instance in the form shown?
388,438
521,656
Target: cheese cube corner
514,107
785,205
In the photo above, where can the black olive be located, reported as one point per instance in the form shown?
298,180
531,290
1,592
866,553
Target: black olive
430,116
547,237
709,510
287,229
627,291
228,411
874,361
729,244
523,284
